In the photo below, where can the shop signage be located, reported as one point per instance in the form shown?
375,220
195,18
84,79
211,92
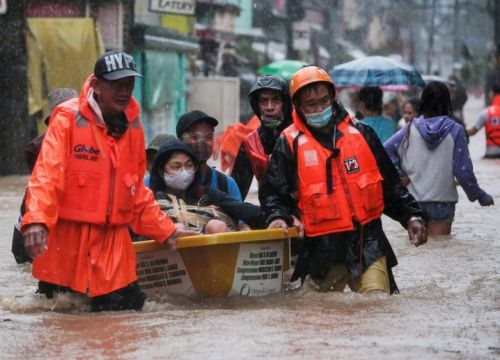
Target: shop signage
182,7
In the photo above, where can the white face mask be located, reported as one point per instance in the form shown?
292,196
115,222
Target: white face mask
180,180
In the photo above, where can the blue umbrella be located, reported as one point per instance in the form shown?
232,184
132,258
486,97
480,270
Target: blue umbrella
375,71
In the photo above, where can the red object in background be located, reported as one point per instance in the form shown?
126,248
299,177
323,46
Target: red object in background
230,141
56,8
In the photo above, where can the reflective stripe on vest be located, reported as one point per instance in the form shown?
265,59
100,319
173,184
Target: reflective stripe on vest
334,190
101,175
256,154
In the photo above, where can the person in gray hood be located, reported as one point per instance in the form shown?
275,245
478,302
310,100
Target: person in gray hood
430,152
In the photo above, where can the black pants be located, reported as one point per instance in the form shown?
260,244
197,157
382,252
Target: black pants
128,298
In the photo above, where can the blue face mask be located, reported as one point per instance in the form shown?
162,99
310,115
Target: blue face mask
320,119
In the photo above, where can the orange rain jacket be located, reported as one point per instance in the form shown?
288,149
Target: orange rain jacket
87,189
254,150
231,138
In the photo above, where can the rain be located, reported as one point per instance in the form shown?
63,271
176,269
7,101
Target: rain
207,55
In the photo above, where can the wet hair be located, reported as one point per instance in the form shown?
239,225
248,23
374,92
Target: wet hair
435,100
371,97
413,101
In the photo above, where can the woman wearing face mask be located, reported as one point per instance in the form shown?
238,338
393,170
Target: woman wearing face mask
176,183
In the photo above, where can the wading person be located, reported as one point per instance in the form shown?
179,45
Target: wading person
337,177
196,129
431,152
271,103
370,103
490,120
87,189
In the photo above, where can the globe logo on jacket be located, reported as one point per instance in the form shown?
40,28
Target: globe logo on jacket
83,152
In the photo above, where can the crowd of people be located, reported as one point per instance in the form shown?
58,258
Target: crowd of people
95,185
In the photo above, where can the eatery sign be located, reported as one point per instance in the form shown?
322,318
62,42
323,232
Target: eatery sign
181,7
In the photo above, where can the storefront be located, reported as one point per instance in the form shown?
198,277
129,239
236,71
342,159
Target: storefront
161,56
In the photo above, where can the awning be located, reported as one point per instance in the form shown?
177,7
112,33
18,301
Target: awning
273,50
163,39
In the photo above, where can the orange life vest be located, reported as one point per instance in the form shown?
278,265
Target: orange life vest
98,170
492,126
335,190
256,154
87,190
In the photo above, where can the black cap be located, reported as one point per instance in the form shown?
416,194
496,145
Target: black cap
189,118
114,65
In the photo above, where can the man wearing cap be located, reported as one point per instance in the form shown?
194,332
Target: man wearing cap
271,103
337,176
196,129
87,189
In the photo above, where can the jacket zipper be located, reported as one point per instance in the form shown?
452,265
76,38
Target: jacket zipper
111,193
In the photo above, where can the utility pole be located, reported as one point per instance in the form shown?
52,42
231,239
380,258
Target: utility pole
430,48
496,20
14,125
294,13
456,31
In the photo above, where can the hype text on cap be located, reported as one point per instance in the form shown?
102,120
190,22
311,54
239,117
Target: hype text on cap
114,65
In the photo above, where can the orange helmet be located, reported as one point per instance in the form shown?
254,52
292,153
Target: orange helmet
308,75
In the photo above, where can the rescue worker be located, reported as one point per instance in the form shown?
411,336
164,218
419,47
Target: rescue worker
86,190
197,130
271,103
490,119
337,177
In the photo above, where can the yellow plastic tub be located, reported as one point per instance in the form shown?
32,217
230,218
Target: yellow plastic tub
245,263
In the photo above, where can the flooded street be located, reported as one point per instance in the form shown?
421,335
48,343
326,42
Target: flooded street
448,308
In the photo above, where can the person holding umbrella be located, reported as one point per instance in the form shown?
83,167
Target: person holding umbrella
336,176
